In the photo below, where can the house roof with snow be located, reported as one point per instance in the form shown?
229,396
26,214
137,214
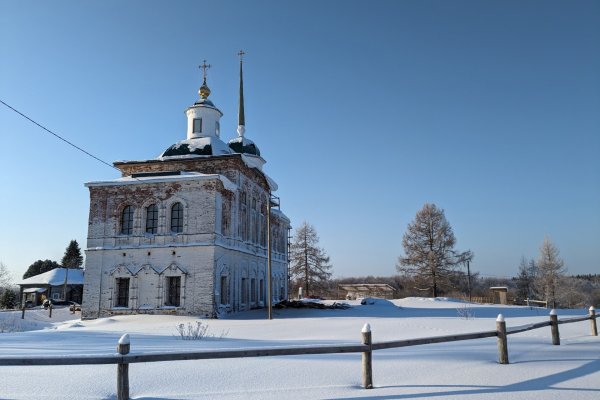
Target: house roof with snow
56,277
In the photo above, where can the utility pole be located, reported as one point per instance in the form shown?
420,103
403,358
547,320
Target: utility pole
269,282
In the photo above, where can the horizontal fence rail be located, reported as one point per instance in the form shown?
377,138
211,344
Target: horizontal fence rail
528,327
433,339
123,357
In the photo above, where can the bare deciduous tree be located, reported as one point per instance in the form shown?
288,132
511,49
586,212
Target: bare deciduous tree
309,263
550,268
5,278
429,250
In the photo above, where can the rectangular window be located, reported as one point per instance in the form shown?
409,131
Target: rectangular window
254,223
261,288
173,291
225,218
253,290
244,291
177,218
243,217
152,219
122,292
197,125
224,291
127,220
218,128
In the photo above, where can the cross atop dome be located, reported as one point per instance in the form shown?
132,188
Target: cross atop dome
204,91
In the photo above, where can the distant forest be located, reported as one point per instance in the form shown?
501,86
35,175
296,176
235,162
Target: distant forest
576,291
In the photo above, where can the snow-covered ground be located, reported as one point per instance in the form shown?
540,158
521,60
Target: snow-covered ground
457,370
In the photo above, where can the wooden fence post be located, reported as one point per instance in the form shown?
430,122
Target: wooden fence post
123,369
593,321
50,311
502,343
554,327
367,361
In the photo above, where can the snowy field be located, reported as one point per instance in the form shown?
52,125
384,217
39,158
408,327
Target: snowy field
458,370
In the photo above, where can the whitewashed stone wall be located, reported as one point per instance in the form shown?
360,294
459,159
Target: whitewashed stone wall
205,251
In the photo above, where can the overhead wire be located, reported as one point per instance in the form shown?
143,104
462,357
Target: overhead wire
60,137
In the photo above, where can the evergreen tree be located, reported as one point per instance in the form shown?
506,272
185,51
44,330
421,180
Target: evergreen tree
8,299
526,279
39,267
429,247
72,257
309,263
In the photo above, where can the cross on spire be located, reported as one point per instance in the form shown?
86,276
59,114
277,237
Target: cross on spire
204,67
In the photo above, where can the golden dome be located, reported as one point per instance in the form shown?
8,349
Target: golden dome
204,91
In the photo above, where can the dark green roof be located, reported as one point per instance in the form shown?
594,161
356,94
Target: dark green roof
204,146
244,146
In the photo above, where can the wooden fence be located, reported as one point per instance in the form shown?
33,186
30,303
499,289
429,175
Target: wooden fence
122,358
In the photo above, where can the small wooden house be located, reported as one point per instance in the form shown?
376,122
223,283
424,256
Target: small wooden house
359,290
59,284
500,294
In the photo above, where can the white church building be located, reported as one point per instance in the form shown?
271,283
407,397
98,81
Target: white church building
186,233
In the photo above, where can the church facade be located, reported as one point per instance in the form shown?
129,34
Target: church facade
186,233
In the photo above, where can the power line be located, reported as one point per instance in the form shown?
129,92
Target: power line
58,136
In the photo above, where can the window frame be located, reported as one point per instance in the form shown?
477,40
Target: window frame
261,290
122,292
176,220
244,287
173,295
224,290
127,216
152,220
194,126
243,217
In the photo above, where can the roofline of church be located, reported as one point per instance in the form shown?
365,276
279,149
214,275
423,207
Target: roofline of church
177,158
174,177
270,183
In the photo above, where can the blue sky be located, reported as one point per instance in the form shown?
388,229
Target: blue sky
364,111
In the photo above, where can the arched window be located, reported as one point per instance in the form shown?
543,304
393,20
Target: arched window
127,220
262,225
152,219
243,217
177,218
254,223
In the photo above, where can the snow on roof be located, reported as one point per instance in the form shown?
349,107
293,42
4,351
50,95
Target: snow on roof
280,214
366,287
183,176
243,145
55,277
34,290
202,146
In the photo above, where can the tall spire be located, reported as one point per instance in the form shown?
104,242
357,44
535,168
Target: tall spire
204,91
241,120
